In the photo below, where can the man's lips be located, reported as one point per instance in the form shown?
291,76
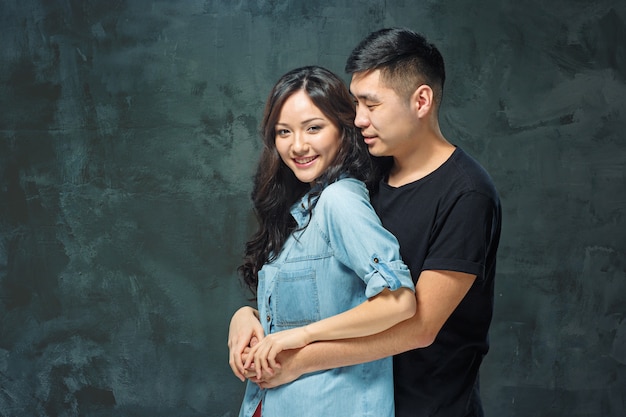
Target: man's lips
369,139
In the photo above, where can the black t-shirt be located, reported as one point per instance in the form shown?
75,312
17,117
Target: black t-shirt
448,220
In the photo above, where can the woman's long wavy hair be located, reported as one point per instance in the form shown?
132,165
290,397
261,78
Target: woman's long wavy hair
276,188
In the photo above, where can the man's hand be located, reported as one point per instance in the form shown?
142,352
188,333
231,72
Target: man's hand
245,331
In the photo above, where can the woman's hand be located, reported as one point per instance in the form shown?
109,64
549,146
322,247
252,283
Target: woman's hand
263,355
288,371
245,329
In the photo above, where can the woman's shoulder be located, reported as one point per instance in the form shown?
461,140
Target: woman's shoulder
345,185
345,191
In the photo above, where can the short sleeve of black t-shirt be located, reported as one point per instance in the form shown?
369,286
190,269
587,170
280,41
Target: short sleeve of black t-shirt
461,233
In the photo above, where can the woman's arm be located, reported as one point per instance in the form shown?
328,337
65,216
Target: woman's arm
378,313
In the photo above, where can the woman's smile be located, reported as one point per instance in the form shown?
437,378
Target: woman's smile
305,161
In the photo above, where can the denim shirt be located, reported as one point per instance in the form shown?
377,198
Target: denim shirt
337,258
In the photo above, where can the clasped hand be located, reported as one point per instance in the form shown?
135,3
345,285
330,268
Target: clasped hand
245,333
262,356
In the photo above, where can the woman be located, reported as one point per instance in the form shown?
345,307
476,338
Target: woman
321,264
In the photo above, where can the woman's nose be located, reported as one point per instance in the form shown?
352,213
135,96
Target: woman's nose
299,145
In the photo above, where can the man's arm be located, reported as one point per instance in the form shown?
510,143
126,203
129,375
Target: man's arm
438,293
374,315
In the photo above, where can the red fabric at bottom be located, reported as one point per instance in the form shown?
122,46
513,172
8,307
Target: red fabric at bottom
257,413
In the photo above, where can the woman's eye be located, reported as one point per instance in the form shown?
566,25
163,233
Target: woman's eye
282,132
313,129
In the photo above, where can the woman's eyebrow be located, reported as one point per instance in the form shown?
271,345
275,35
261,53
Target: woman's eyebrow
302,123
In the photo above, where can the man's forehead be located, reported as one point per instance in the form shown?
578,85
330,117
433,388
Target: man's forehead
371,76
367,84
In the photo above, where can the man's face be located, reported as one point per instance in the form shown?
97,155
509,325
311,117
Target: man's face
386,120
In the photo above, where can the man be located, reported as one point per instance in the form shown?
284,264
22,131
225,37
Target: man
444,210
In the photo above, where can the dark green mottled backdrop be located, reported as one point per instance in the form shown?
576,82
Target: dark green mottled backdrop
128,136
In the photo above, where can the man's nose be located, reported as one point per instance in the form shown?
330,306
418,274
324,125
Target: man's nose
360,119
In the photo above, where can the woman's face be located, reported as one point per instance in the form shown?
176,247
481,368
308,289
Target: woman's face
306,139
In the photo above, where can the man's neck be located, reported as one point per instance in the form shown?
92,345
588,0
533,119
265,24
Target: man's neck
428,154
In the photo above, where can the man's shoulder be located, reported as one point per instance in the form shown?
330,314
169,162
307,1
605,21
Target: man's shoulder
472,172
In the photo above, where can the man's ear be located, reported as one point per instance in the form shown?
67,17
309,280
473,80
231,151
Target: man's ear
422,100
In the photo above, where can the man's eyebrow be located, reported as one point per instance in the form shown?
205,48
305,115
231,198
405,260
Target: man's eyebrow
365,97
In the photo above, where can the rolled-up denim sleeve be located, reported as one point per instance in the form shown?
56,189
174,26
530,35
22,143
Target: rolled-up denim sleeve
359,239
386,274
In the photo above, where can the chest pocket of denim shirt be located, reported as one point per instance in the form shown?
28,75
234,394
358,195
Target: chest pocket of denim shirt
296,298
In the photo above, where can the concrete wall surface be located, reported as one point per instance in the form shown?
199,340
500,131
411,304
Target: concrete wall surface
128,137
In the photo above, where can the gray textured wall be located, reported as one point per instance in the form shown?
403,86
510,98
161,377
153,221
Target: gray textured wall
127,141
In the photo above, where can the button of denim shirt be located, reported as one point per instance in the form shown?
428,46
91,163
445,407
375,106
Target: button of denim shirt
375,260
268,318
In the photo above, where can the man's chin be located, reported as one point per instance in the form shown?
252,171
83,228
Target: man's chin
376,151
